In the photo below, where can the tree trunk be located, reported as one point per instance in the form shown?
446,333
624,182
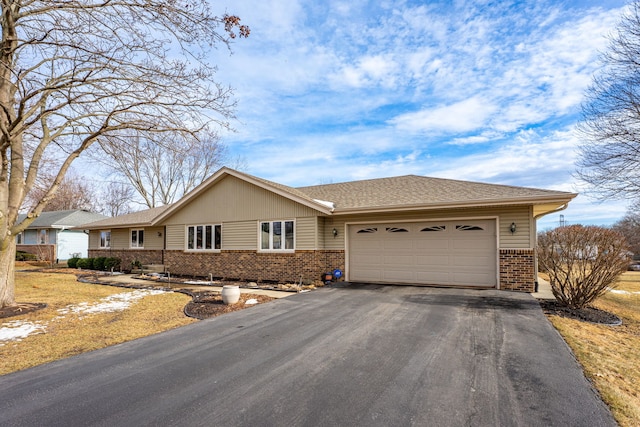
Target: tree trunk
7,275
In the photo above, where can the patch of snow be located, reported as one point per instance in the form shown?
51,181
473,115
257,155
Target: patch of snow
251,301
330,205
619,291
198,282
110,304
16,330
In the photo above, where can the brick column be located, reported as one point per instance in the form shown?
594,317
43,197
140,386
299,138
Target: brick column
517,270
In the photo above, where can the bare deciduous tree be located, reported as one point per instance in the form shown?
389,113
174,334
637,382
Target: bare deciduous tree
116,199
163,169
73,192
629,227
582,262
73,72
610,154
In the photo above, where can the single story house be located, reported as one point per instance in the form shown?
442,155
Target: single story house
53,235
399,230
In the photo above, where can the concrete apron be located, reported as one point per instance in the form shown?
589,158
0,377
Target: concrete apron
544,290
128,279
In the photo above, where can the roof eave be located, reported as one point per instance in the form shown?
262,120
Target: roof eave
109,226
458,205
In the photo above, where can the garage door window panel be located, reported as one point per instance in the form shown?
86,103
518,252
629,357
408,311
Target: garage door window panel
469,228
434,228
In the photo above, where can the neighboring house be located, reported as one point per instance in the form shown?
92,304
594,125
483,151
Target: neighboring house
407,229
54,235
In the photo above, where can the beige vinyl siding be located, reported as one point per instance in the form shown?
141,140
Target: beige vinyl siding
153,237
94,239
233,199
240,235
305,232
320,231
522,239
120,238
175,237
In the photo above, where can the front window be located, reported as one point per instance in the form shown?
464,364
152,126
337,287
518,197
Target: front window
137,238
19,239
105,239
43,237
204,237
277,235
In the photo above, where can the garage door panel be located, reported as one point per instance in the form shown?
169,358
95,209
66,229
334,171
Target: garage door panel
367,259
398,244
367,275
403,276
426,242
367,244
449,252
461,278
480,245
399,260
433,277
477,262
433,261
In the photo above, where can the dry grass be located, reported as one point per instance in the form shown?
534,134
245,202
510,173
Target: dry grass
74,334
610,355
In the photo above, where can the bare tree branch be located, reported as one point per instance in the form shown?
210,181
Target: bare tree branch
163,169
610,126
75,72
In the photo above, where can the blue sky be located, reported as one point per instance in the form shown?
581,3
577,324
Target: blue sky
487,91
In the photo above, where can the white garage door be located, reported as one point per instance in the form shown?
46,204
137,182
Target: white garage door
461,253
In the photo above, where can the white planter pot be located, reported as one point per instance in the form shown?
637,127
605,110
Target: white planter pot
230,294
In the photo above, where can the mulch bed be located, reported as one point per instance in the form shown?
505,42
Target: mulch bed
587,314
209,304
21,308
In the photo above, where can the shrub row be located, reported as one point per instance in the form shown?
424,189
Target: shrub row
25,256
99,263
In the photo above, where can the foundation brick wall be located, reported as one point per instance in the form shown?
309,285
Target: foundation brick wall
517,270
43,252
145,256
255,266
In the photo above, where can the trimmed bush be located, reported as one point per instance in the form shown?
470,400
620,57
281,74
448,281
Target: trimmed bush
85,263
112,263
98,263
583,262
25,256
72,262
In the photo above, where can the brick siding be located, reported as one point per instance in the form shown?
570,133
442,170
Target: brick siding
255,266
43,252
517,270
145,256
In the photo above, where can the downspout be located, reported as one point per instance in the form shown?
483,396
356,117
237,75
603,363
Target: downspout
535,264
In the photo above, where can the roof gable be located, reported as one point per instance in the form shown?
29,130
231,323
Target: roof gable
283,190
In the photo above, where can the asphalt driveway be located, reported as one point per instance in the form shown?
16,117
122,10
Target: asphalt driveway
358,356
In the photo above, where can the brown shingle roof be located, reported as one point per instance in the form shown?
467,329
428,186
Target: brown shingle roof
140,218
413,190
396,193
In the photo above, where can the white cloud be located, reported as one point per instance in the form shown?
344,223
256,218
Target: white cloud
463,116
352,89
